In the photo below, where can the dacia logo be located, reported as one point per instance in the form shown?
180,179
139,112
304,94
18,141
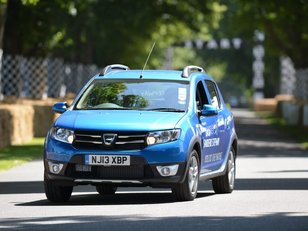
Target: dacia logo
108,139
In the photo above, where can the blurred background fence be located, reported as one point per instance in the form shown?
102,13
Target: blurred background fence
293,82
301,84
41,78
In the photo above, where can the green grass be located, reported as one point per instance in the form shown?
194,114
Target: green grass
297,132
18,154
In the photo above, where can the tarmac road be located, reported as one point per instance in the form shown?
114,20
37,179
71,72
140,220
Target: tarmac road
271,194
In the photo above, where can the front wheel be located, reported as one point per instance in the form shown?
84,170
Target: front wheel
57,193
225,183
187,190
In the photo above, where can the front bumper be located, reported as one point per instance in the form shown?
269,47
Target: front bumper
138,174
142,170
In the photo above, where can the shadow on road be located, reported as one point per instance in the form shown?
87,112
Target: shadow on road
241,184
132,198
281,221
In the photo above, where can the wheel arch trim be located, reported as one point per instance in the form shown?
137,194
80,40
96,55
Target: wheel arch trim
194,144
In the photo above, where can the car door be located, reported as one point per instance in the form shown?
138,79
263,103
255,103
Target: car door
219,149
208,130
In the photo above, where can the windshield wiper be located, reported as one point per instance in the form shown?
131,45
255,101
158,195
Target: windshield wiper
166,109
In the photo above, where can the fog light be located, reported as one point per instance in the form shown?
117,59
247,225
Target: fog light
165,171
55,168
168,170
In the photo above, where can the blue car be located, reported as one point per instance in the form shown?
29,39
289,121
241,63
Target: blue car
158,128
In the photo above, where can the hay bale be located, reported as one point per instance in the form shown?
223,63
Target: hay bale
43,118
284,98
269,105
5,128
19,122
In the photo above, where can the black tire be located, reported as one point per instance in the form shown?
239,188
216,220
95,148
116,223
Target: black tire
225,183
106,189
187,191
57,193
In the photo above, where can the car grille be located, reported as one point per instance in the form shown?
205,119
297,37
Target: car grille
111,172
122,140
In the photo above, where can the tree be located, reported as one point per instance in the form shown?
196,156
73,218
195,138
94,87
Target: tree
3,13
2,20
284,23
104,32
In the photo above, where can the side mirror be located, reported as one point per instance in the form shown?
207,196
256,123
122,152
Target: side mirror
60,107
209,110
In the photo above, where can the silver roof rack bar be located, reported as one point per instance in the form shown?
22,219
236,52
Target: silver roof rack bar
189,69
113,67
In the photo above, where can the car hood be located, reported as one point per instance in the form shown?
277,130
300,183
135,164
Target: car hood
117,120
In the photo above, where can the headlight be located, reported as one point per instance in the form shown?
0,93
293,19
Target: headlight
159,137
62,134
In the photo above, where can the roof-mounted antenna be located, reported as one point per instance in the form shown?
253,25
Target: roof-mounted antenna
146,61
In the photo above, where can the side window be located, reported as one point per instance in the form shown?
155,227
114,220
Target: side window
201,98
215,100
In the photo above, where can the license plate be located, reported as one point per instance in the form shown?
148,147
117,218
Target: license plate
107,160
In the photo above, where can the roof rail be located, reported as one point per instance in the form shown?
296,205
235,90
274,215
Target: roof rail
113,67
189,69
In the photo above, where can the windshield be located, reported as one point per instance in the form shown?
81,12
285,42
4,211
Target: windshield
135,95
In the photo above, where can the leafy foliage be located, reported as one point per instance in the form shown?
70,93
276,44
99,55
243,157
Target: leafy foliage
104,32
284,24
122,31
